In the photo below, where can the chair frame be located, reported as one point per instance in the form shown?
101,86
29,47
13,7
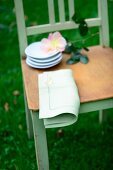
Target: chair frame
101,21
34,124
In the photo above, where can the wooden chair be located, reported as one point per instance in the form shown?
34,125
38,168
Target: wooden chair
94,80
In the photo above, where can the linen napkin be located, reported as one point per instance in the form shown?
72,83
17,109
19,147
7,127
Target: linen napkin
58,98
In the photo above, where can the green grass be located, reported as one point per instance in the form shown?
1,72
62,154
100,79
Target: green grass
83,146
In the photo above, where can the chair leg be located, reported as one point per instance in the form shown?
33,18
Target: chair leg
102,116
40,142
28,119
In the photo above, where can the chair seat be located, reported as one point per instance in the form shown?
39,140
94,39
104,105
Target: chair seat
94,80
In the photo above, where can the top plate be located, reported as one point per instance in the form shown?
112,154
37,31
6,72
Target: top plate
34,50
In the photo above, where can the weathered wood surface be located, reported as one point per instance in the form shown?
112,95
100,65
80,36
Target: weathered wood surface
94,80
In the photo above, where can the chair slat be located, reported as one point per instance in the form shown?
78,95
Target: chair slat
71,8
51,11
21,26
61,10
60,26
104,28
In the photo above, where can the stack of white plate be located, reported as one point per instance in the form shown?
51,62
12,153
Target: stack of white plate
37,58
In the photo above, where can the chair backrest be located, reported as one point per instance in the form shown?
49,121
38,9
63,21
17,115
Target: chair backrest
101,21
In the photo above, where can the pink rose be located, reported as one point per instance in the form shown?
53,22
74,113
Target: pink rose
54,42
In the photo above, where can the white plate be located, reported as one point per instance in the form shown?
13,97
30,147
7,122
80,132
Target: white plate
43,64
35,50
46,60
43,67
41,58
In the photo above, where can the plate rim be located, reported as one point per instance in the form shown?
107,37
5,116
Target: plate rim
42,64
46,60
46,56
49,66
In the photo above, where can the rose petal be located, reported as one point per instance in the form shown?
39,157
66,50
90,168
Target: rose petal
55,42
57,35
50,36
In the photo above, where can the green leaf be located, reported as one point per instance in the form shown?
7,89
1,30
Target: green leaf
84,59
83,28
73,59
68,49
74,49
76,56
76,18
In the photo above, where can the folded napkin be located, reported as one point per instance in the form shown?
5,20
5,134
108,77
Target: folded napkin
58,98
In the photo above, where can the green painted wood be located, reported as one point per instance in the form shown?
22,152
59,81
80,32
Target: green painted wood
28,119
32,30
102,116
21,26
104,28
51,11
71,8
96,105
61,10
40,142
22,45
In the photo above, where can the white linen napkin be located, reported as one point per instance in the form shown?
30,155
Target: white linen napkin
58,98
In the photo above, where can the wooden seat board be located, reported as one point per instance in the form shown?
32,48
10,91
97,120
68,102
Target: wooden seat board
94,80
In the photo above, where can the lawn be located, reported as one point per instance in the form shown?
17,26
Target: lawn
86,145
